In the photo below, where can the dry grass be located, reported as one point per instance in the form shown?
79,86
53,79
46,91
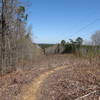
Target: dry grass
80,78
12,83
30,93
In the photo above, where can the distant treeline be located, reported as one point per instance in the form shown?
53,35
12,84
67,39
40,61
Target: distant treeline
75,47
43,46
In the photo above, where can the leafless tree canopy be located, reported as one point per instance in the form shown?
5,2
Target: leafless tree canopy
15,42
96,38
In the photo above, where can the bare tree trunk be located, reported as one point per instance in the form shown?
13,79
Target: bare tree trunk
2,37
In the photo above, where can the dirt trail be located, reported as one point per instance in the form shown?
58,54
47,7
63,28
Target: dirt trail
32,90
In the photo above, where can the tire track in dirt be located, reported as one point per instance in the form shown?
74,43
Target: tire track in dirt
34,87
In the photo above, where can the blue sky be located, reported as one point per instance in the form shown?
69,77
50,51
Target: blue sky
55,20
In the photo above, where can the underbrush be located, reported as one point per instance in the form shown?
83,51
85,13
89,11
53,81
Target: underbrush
78,79
11,84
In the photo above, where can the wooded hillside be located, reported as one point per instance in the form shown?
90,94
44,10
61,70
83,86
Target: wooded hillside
16,45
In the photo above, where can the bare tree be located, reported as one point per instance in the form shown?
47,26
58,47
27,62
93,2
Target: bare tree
15,41
96,38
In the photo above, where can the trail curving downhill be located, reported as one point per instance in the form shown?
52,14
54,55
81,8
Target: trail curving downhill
34,87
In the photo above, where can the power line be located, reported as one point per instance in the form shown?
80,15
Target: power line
85,27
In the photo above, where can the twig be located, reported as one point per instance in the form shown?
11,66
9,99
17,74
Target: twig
86,95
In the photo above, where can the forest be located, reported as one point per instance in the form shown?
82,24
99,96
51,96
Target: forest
16,45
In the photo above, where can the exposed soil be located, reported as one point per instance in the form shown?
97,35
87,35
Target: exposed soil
46,80
32,90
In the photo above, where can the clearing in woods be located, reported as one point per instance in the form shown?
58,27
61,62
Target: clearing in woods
32,91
